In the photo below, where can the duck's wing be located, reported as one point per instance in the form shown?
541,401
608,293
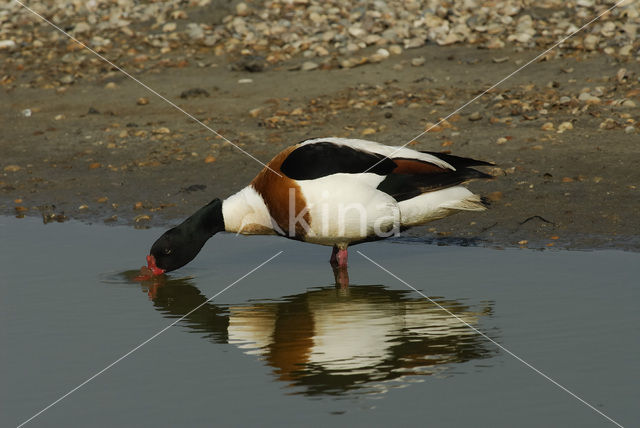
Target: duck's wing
404,173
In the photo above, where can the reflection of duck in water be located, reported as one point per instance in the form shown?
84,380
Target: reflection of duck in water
330,341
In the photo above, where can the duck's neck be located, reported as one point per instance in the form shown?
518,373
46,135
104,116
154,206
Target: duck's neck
208,219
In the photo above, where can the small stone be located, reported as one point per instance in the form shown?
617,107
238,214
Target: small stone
548,126
564,126
621,75
501,140
26,112
590,42
66,79
567,180
81,28
142,101
255,112
59,117
415,42
494,196
588,98
383,53
368,131
245,81
608,124
476,115
12,168
83,207
494,43
7,44
209,159
242,9
321,51
308,66
141,217
628,103
194,31
169,27
629,129
625,50
110,85
352,47
564,100
357,32
395,49
347,63
417,62
161,130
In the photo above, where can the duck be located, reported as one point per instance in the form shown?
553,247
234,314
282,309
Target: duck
330,191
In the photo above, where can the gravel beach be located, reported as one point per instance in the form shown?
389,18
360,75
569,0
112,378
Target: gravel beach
81,140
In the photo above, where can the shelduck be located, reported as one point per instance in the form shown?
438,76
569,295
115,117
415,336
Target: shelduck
330,191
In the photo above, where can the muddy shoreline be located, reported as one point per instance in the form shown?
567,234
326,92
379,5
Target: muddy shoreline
96,152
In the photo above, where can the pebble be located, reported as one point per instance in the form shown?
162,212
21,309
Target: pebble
66,79
629,129
169,27
308,66
476,115
591,42
282,30
7,44
242,9
417,62
564,126
588,98
395,49
194,31
142,101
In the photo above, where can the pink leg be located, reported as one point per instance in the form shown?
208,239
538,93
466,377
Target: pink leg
334,256
342,257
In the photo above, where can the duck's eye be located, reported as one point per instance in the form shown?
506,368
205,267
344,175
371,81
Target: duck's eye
167,251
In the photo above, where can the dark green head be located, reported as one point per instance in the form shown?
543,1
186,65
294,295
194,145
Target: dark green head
181,244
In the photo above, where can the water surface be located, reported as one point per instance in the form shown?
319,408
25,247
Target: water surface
285,345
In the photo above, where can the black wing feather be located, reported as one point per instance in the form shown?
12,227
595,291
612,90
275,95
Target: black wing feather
407,186
320,159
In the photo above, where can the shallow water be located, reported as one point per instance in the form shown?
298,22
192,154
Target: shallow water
284,345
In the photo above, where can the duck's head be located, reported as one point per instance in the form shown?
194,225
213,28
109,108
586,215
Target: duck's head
181,244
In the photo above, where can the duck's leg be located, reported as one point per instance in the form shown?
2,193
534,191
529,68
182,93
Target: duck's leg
339,256
338,261
334,256
342,257
341,275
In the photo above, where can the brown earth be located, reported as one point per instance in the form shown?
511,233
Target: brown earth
92,151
